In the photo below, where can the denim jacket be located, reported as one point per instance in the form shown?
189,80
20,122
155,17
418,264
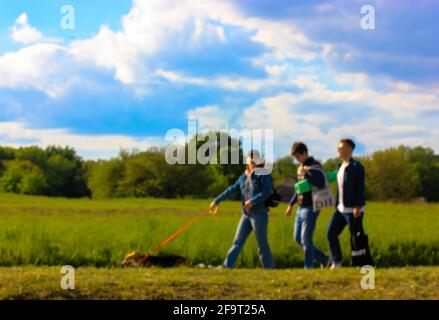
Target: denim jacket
260,189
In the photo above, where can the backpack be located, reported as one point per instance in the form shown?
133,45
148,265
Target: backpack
274,199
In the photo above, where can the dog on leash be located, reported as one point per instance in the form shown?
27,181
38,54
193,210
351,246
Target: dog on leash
136,259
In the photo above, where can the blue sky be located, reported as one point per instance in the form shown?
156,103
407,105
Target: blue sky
132,70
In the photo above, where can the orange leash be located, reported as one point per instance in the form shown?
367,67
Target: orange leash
192,221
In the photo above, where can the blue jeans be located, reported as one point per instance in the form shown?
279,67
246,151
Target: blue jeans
303,232
258,223
336,226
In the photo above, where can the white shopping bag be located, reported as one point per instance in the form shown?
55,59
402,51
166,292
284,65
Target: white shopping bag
322,198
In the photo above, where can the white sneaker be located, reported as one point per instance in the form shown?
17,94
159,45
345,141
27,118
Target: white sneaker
335,265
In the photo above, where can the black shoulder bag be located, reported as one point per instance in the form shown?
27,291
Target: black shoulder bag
360,252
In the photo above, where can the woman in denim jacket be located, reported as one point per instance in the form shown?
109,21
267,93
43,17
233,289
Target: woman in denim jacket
255,186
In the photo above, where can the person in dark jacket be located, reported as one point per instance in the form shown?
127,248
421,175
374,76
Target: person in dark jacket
255,186
350,199
306,217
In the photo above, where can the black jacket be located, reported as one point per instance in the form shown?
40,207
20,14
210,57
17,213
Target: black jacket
315,177
354,191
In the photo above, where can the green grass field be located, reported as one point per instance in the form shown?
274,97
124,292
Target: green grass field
48,231
191,283
38,235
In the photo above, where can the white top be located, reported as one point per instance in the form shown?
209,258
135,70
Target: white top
340,180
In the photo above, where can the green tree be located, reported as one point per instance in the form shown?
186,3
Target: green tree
104,176
22,176
7,153
283,168
63,169
33,183
391,175
427,164
141,176
34,154
332,164
232,148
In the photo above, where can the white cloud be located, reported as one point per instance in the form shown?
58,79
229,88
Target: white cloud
44,67
400,99
156,26
22,32
150,28
278,113
153,26
178,77
15,134
323,129
378,134
211,117
235,83
286,40
392,121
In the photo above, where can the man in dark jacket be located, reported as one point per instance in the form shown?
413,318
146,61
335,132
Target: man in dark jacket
350,200
306,217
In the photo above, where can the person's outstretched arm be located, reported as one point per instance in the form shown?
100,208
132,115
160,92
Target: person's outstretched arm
230,191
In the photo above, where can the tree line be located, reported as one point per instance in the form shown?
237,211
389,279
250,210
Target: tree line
398,173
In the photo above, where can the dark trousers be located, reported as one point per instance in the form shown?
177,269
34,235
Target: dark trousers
336,226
